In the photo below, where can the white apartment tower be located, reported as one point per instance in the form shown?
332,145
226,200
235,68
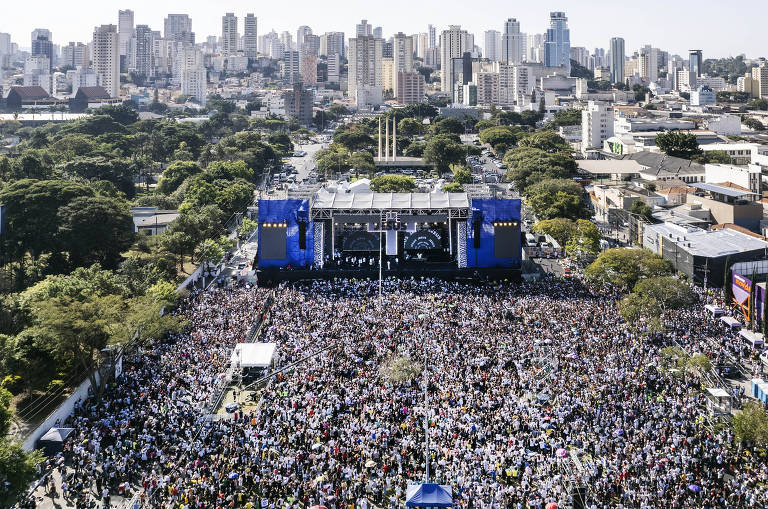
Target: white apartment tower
125,30
193,75
250,36
229,34
512,42
178,27
492,45
106,58
596,125
365,55
363,29
454,42
648,63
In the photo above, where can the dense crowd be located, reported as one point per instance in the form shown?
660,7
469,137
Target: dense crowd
534,390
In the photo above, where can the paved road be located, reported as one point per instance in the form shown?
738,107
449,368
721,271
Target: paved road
305,164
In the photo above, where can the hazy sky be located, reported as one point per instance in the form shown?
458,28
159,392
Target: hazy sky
718,28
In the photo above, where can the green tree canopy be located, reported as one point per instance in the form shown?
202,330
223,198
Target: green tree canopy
677,144
623,268
442,151
393,184
551,198
546,141
530,165
410,127
448,125
462,175
750,425
501,138
560,228
175,174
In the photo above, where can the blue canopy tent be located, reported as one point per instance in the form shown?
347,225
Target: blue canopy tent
428,495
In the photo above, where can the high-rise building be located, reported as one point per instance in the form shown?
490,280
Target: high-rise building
410,87
291,66
333,63
302,32
42,45
512,42
308,69
454,42
580,54
334,44
298,104
74,54
364,67
125,30
402,54
37,72
618,56
422,45
378,33
432,36
363,29
5,44
287,40
143,51
250,36
535,47
492,49
648,63
311,46
229,34
178,27
106,58
557,48
695,61
760,80
193,75
596,125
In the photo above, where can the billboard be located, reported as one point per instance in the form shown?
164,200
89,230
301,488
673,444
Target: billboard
742,289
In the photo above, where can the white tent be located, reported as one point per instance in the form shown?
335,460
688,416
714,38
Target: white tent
731,322
754,338
253,355
714,310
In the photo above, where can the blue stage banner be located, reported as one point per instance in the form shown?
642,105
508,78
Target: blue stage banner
494,221
292,217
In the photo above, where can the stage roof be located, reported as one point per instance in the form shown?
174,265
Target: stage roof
392,201
253,355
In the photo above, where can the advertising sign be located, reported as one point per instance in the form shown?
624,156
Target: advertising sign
741,288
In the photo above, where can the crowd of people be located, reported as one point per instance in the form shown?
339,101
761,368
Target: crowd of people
536,393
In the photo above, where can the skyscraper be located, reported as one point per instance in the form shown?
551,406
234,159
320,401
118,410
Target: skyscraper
125,30
143,51
512,42
193,75
5,44
432,36
365,54
178,27
402,53
454,42
617,60
42,45
363,29
302,32
334,44
250,36
648,63
106,58
492,48
229,34
557,48
74,54
695,62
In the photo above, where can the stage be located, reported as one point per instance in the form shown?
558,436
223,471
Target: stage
271,277
413,234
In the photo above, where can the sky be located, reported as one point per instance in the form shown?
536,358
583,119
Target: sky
674,26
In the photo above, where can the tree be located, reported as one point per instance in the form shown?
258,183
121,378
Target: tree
712,157
566,118
651,298
623,268
393,184
546,141
561,229
753,124
401,370
178,243
462,175
448,125
209,252
530,165
95,230
5,411
552,198
410,127
750,425
121,172
362,162
120,113
175,174
335,158
585,239
642,209
678,144
453,187
235,197
442,151
353,138
758,104
78,329
246,228
509,118
501,138
17,469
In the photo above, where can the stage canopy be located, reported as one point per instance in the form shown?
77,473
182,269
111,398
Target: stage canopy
730,322
389,201
53,441
254,355
428,495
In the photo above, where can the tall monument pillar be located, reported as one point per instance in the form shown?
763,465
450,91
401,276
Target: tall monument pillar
394,139
386,141
379,158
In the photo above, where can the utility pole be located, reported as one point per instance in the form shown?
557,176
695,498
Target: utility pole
426,415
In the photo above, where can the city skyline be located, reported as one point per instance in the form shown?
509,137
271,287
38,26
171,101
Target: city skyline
676,29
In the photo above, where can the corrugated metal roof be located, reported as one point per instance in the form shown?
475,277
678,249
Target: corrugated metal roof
727,191
365,201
